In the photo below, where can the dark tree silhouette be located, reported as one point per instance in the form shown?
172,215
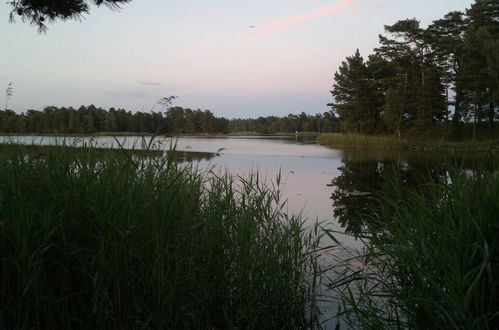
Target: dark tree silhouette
366,181
39,12
418,76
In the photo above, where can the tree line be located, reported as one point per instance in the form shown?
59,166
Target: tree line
91,119
175,120
446,75
320,122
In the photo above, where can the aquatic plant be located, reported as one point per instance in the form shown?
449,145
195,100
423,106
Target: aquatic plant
92,239
431,259
357,140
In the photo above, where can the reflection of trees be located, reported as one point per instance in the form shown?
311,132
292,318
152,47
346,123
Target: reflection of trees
363,180
353,194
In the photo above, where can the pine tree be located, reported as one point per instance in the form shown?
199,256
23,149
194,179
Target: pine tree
480,75
409,52
351,93
446,37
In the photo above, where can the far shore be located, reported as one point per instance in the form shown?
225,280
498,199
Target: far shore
333,140
308,134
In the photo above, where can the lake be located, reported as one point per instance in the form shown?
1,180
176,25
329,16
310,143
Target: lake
332,186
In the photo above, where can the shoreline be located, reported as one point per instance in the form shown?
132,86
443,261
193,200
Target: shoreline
242,133
357,141
331,140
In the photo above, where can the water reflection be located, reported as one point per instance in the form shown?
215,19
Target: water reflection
191,156
367,176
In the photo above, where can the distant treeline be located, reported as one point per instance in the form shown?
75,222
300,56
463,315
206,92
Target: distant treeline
419,78
326,122
88,120
175,120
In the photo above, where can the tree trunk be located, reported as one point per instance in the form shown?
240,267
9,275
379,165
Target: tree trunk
491,114
358,118
422,77
401,113
456,118
457,106
375,125
447,102
474,127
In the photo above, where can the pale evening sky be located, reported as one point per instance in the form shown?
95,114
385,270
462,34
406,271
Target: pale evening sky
203,51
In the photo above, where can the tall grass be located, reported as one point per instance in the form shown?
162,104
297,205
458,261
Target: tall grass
361,141
431,260
106,240
357,140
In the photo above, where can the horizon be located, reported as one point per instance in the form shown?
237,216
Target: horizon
238,61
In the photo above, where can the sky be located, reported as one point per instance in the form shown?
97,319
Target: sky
239,59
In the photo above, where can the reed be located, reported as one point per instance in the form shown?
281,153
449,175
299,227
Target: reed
338,140
93,239
357,140
431,259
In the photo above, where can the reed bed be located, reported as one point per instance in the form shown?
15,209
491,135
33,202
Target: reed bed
94,239
431,259
358,140
338,140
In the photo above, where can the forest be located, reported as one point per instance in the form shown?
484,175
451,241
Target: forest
91,119
425,81
175,120
322,123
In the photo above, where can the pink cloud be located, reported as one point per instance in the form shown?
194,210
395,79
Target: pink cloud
196,48
285,24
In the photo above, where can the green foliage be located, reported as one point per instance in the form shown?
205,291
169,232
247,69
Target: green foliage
355,96
358,140
430,259
446,38
92,239
480,73
175,120
487,140
38,12
393,110
325,122
418,76
90,120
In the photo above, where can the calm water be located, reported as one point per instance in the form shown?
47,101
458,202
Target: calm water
329,185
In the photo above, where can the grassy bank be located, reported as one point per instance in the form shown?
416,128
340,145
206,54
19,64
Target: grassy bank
306,134
338,140
356,140
107,240
431,260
